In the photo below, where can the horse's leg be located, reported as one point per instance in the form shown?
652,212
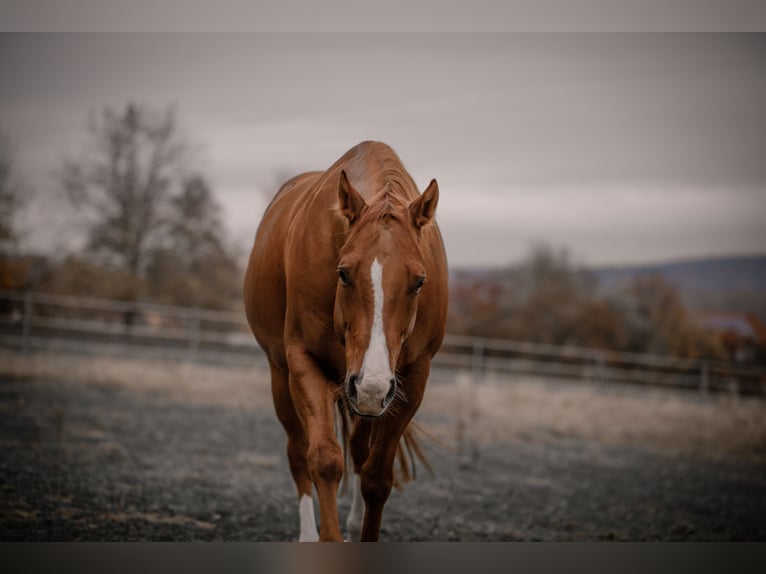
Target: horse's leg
378,471
360,450
296,452
314,398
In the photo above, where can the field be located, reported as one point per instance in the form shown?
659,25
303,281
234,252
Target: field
118,449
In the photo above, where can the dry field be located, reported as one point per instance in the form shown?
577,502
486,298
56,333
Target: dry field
118,449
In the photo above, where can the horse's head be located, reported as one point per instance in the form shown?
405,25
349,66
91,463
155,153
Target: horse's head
381,272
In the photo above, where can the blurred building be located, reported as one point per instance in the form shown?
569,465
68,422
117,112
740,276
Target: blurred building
741,334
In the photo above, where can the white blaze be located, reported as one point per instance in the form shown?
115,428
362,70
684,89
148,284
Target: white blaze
376,378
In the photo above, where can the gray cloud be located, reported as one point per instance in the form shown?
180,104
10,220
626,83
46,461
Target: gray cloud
570,134
391,16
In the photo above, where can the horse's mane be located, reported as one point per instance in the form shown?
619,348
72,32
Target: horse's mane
393,185
384,205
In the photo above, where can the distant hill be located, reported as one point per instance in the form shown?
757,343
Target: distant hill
715,284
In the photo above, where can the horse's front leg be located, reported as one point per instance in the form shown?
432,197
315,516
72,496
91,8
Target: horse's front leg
314,398
377,474
360,451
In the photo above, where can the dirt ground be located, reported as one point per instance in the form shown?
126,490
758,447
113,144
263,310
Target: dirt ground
114,449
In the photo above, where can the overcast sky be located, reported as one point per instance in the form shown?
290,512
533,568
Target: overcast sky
622,148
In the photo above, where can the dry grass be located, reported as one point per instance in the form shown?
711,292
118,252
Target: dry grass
172,380
502,410
524,409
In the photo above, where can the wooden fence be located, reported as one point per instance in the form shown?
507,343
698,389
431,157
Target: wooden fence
36,321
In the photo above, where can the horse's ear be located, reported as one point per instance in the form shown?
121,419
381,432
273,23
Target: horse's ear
423,208
351,203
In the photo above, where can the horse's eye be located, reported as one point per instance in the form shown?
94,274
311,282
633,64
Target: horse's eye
343,276
418,284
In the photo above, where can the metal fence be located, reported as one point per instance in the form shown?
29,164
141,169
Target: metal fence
36,321
505,356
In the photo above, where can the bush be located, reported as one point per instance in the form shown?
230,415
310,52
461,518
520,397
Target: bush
547,299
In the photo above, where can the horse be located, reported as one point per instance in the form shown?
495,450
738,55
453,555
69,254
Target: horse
346,293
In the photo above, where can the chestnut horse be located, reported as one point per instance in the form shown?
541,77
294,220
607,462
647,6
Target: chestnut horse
346,292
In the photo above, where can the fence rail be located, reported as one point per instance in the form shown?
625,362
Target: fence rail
31,321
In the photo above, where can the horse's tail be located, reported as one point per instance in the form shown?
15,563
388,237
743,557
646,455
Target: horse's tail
408,452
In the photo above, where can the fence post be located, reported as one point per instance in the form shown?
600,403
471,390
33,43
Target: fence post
477,358
26,322
467,420
704,377
601,366
194,327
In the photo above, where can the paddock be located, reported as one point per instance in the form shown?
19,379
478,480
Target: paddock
109,448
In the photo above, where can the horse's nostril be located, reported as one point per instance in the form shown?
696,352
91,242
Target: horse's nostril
351,388
390,394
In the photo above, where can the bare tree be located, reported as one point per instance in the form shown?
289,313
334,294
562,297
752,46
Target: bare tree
10,197
124,183
195,227
14,270
195,266
665,326
157,224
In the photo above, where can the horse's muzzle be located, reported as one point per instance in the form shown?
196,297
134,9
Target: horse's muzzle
369,399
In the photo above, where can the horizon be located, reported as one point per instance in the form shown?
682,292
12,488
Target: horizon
692,260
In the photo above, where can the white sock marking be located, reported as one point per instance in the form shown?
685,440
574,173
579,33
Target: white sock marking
308,521
356,514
